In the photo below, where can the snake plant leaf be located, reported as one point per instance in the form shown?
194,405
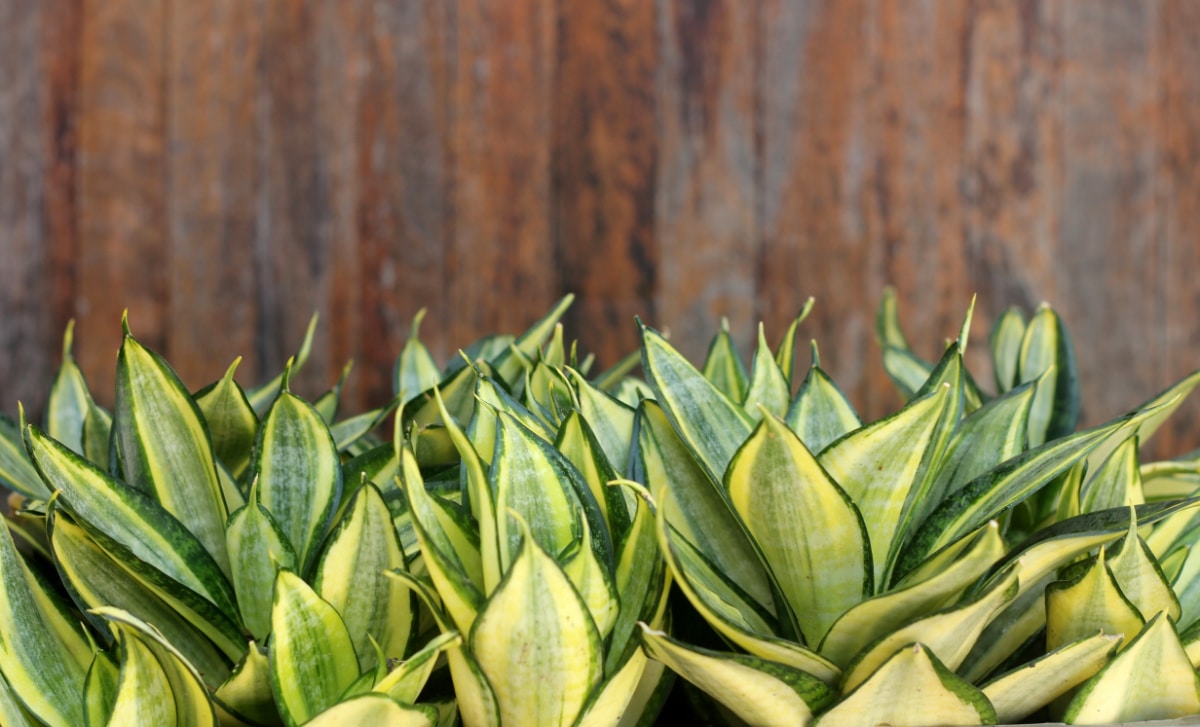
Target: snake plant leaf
887,321
1045,345
16,469
299,474
350,434
416,370
610,419
708,421
723,366
137,531
327,403
457,581
44,661
911,688
97,435
407,679
492,400
311,652
258,547
530,476
608,380
760,692
478,492
701,511
1005,343
593,581
632,392
536,643
193,707
820,413
1149,679
879,467
988,436
1001,487
376,709
768,389
1117,482
476,699
12,713
100,689
785,356
580,446
144,693
641,577
246,695
69,399
630,691
263,397
874,618
726,608
1158,409
231,420
1141,578
810,533
165,447
350,577
507,364
95,579
949,634
1021,692
906,370
548,394
457,390
1088,601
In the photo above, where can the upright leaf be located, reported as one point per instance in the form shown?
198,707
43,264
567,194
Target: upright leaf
231,421
1005,343
299,473
769,387
1047,345
257,548
69,399
723,366
820,413
165,447
262,397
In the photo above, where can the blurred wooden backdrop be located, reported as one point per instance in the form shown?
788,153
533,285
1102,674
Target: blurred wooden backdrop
224,168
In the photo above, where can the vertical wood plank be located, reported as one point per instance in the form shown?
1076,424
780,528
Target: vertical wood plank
816,234
707,188
214,52
402,214
25,321
605,149
1178,46
122,192
293,240
1111,246
1012,177
500,268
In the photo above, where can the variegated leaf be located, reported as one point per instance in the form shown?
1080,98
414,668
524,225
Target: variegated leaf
820,414
1021,692
231,421
257,548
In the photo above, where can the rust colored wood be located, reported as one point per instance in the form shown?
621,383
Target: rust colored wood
1012,174
1178,207
605,151
705,216
817,164
401,157
122,248
500,262
213,182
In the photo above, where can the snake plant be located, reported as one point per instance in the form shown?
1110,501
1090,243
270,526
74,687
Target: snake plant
883,572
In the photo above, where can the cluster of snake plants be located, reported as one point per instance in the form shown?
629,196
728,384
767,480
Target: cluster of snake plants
970,559
503,556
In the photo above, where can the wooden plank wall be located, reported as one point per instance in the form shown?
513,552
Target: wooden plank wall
223,169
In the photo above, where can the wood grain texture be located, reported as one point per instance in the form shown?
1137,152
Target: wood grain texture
214,52
501,134
605,171
224,169
121,210
705,216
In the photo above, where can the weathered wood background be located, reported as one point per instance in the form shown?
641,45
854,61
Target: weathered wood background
224,168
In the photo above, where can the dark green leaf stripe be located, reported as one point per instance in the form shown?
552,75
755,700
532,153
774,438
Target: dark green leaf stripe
94,580
131,520
165,447
299,474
